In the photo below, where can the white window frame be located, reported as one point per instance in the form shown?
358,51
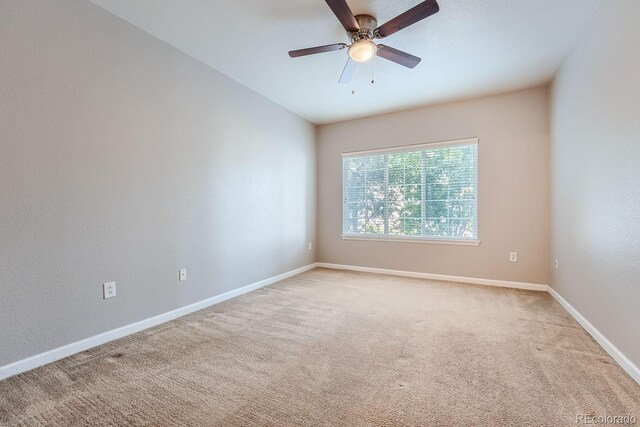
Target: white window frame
415,239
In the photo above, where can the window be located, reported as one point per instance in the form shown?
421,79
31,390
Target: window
423,192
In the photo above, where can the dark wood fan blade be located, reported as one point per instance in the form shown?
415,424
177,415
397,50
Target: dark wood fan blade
341,9
398,56
347,73
410,17
319,49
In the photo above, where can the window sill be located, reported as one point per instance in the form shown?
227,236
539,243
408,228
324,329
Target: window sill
460,242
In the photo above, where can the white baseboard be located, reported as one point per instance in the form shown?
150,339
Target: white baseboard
614,352
474,281
85,344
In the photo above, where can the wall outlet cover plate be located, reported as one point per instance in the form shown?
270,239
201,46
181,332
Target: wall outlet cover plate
109,290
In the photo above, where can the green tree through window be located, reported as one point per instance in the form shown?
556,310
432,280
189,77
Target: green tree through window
415,192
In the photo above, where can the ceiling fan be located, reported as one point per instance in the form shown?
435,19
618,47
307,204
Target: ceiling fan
362,30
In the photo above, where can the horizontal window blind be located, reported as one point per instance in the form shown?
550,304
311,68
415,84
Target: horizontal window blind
421,193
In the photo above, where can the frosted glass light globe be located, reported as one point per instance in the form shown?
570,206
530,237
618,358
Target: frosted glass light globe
363,50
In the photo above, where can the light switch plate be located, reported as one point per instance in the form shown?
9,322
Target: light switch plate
182,274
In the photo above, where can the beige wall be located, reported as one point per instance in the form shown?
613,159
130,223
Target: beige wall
123,159
513,187
596,175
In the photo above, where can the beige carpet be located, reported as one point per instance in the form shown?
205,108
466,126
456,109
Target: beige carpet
330,348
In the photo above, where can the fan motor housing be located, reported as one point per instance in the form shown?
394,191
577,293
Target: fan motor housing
367,25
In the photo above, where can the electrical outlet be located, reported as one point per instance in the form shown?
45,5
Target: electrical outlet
310,246
513,256
555,263
109,290
182,274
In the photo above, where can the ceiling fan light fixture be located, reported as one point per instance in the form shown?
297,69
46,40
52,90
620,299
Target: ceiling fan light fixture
363,50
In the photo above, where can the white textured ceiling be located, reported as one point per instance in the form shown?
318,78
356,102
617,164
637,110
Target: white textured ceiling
470,48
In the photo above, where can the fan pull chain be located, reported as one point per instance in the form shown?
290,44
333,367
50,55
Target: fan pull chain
373,80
